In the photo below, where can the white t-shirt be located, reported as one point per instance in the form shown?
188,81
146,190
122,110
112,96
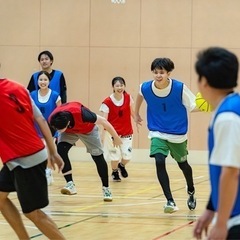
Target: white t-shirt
104,108
44,99
227,139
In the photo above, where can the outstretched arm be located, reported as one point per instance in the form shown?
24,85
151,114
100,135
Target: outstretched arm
106,125
132,112
102,130
202,224
53,155
137,118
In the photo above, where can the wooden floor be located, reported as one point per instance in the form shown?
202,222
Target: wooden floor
136,212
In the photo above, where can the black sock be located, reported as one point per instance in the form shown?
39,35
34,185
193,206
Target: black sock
68,177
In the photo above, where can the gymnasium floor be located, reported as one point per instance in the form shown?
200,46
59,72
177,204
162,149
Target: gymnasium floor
136,212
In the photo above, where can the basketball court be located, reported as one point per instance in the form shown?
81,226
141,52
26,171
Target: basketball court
136,211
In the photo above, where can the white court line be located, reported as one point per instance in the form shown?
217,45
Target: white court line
124,215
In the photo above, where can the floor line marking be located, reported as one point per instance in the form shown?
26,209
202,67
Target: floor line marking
174,230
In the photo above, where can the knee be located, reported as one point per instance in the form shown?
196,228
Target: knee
160,159
184,166
33,216
63,148
98,159
3,196
3,199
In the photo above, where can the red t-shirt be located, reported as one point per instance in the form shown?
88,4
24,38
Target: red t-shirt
18,136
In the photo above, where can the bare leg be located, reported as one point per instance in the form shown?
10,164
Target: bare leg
114,164
45,224
125,162
12,216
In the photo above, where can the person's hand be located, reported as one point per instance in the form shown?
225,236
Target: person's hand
56,159
202,224
218,232
117,141
138,120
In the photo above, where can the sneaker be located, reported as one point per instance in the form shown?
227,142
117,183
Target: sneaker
49,176
191,202
115,176
170,207
69,189
107,195
123,170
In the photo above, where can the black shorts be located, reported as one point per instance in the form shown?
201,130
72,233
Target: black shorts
29,183
234,232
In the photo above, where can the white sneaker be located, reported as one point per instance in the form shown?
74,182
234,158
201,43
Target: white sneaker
170,207
107,195
49,176
69,189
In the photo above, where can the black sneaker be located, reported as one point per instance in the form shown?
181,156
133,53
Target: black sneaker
123,170
115,177
191,202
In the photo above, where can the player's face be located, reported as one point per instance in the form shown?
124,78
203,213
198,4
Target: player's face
160,76
118,87
45,62
43,81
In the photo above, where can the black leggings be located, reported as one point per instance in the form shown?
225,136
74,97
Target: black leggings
102,168
163,178
63,149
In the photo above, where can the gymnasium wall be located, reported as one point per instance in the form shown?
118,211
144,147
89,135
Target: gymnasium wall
95,40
